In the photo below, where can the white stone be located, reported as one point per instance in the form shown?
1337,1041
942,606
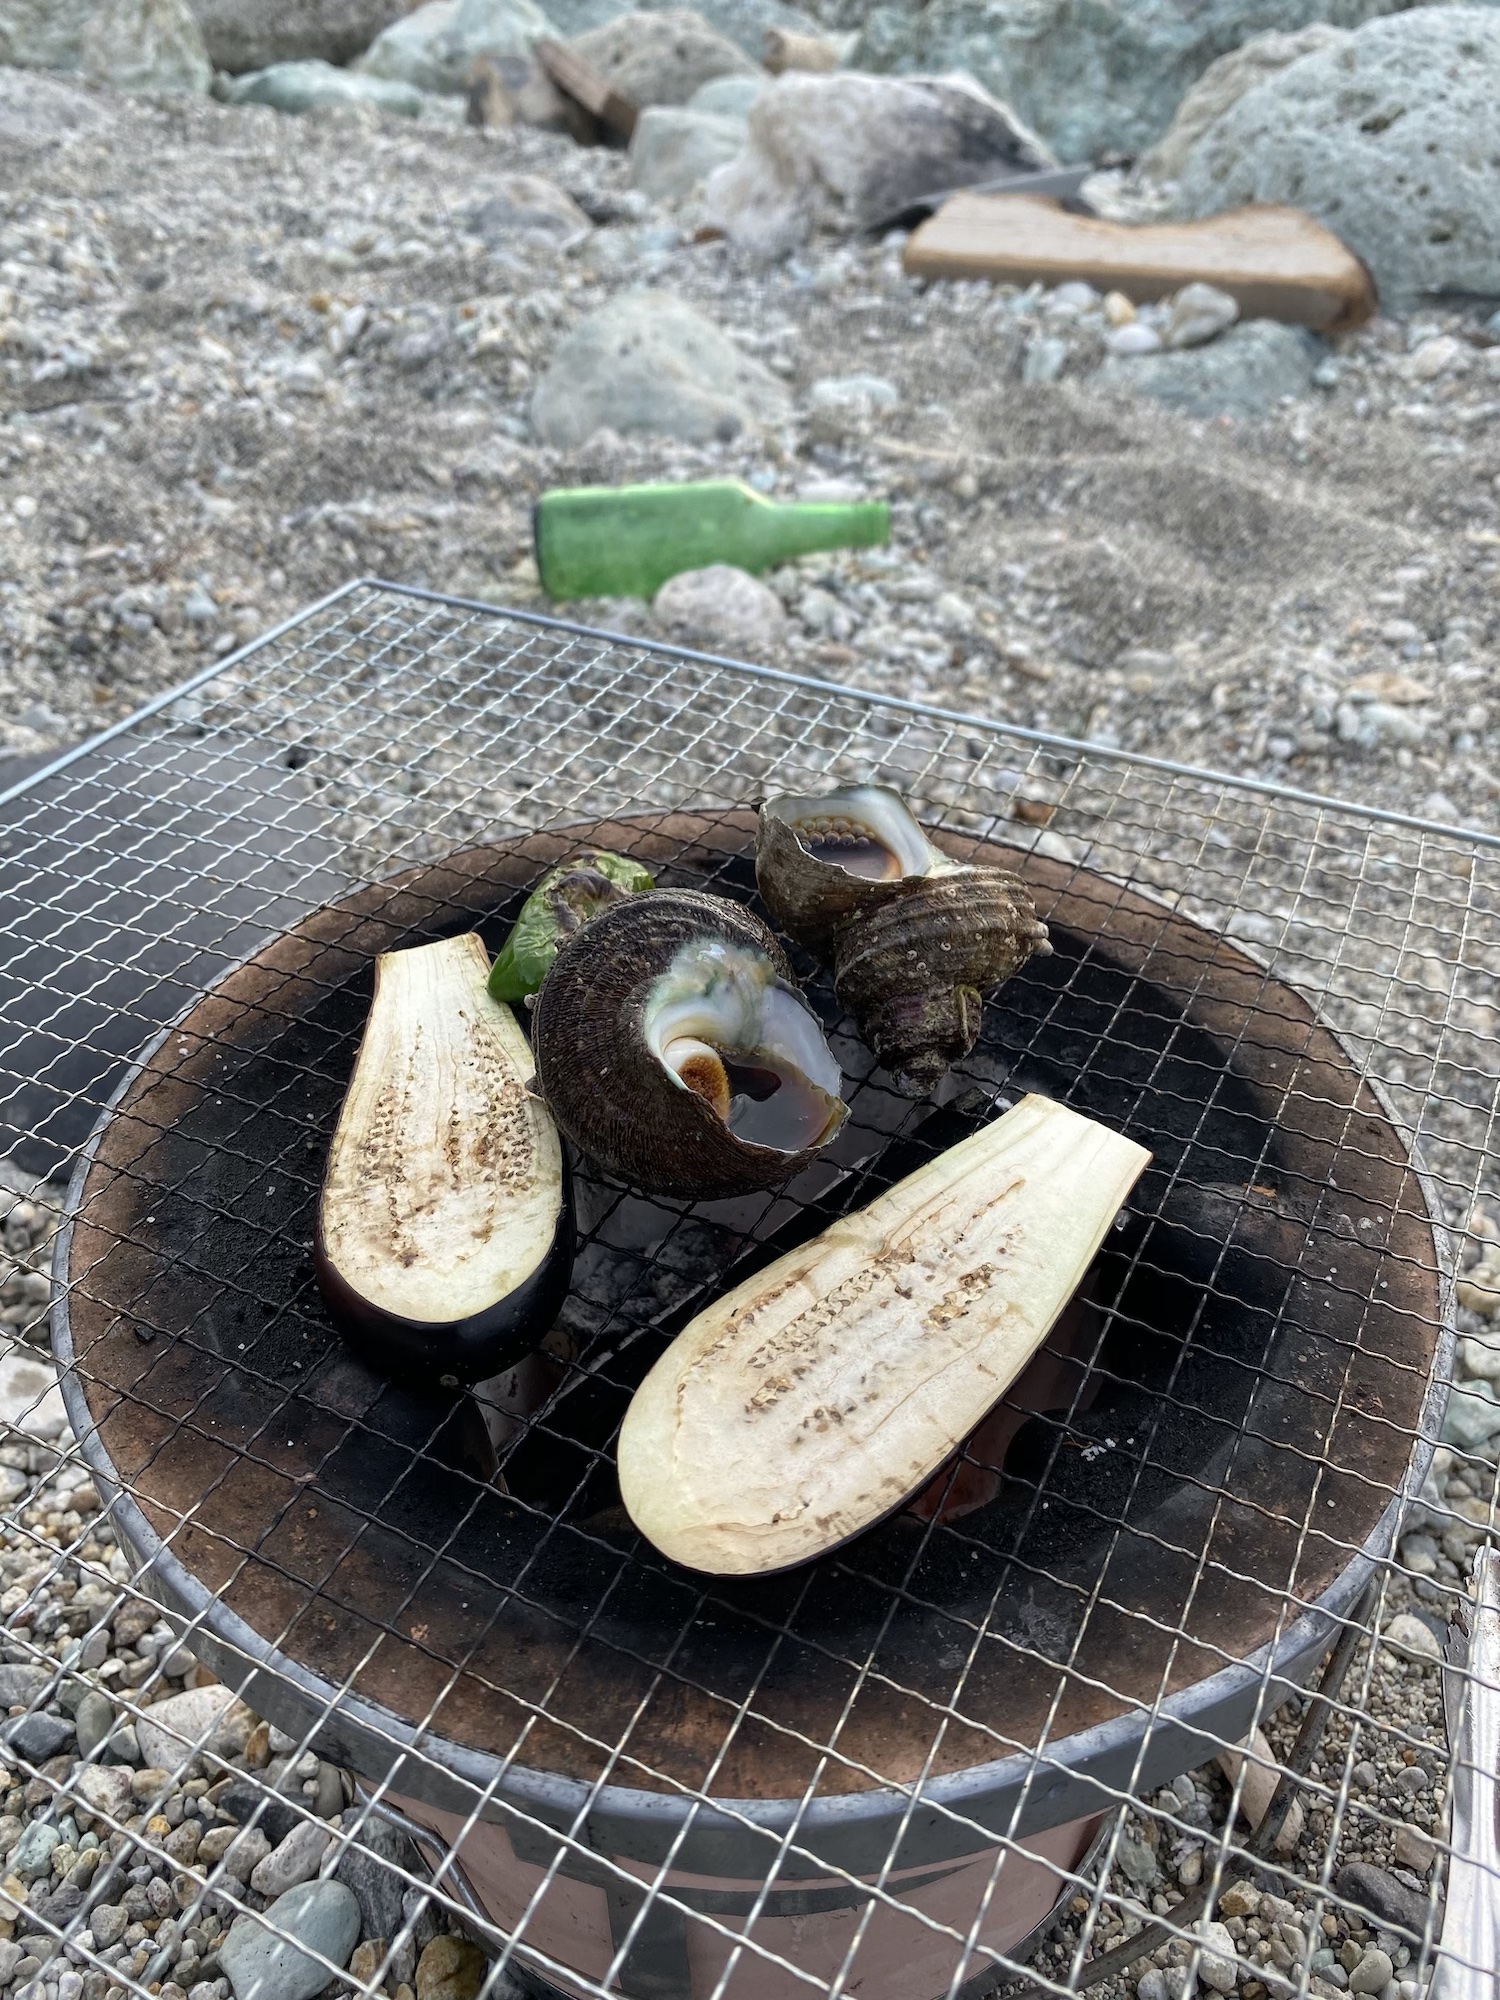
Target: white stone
1389,138
842,152
106,1789
30,1400
1200,313
721,610
1409,1638
648,362
1216,1967
674,150
853,392
1439,356
297,87
172,1734
1134,337
1261,1778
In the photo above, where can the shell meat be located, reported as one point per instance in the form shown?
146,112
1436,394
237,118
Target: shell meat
914,937
673,1048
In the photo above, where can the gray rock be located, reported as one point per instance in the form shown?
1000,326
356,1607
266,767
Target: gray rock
38,1737
1223,84
435,48
648,363
259,1965
94,1721
661,58
1373,1973
20,1685
296,87
1411,1638
241,36
153,46
1200,313
1389,138
367,1869
728,96
43,34
30,1400
1472,1417
743,22
38,113
1090,79
108,1922
673,151
842,152
105,1789
1373,1889
1244,374
721,610
245,1801
524,205
31,1857
172,1733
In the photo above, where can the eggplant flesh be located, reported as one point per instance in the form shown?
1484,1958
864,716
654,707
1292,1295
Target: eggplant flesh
445,1231
818,1396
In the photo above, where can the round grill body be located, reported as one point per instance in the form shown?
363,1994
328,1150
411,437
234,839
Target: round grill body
1145,1552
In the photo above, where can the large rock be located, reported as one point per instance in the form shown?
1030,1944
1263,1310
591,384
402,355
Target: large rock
526,205
314,86
38,113
43,34
243,35
647,362
744,22
1091,76
842,152
436,47
1224,83
722,610
673,151
146,45
1243,374
661,58
1389,137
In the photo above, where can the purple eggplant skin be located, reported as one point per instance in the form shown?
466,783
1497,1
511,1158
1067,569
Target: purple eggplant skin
455,1353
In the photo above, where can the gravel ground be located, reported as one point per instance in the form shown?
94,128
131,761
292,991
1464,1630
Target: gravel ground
244,360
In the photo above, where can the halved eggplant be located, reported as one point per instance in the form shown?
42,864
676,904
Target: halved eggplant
445,1231
816,1398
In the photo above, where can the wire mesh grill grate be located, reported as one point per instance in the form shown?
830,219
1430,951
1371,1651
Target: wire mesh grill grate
881,1774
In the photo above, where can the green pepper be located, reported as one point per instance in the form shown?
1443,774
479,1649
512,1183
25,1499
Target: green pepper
561,903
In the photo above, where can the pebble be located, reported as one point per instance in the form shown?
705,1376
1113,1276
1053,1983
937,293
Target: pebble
1216,1967
451,1968
721,609
369,1868
1133,337
94,1721
1375,1889
1409,1637
1373,1973
32,1854
323,1916
293,1860
1412,1849
1200,313
105,1789
1437,356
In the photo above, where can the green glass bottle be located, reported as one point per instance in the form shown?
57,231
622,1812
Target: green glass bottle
625,541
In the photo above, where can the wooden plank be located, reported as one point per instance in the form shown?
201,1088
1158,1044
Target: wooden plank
1276,262
583,83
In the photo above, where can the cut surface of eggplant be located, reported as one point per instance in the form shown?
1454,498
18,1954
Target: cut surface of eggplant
816,1398
445,1232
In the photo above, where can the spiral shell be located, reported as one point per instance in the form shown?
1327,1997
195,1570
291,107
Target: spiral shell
673,1048
914,972
914,937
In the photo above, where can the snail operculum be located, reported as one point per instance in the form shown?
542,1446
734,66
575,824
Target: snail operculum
914,937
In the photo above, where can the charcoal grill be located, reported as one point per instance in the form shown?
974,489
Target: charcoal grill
878,1774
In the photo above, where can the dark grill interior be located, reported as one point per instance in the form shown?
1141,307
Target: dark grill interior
1198,1458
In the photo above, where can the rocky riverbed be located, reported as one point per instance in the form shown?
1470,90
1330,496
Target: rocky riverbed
244,359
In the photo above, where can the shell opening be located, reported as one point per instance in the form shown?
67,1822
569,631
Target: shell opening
864,829
723,1026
